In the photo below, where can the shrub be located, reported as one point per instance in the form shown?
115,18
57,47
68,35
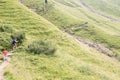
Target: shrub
20,36
42,46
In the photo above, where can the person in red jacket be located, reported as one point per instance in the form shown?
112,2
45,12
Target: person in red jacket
5,52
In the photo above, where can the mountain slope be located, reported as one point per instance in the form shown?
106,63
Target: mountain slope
73,16
72,60
108,7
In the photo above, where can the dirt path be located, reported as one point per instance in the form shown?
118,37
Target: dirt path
93,11
98,47
2,66
93,45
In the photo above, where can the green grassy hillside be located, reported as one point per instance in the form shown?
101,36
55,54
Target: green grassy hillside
72,59
72,16
108,7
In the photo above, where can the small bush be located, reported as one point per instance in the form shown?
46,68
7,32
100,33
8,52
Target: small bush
42,46
20,36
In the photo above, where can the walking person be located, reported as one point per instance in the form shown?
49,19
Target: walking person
5,53
14,43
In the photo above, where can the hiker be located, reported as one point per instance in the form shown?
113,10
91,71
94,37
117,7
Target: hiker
14,43
5,52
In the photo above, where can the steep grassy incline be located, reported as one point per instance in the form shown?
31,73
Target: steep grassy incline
71,61
107,7
75,18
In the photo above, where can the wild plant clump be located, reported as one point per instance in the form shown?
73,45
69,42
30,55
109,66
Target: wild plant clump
42,46
20,36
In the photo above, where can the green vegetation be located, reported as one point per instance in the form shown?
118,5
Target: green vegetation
108,7
20,36
72,59
98,29
42,46
4,41
9,76
4,28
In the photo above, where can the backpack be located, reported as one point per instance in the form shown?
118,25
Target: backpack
12,42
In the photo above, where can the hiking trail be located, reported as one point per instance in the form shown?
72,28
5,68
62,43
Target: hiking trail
3,65
98,47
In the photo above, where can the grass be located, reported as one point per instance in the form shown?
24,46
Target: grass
72,60
108,7
1,58
62,66
99,29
